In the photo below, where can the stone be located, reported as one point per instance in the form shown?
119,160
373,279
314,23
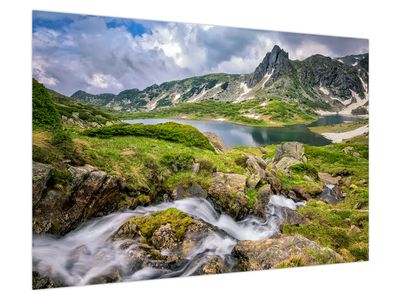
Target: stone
227,191
329,179
41,174
291,217
194,190
354,229
264,193
164,238
88,193
269,253
347,149
291,149
216,141
214,265
196,168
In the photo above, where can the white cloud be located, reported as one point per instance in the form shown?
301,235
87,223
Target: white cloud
86,54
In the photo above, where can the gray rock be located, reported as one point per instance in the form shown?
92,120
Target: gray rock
216,141
227,191
288,154
41,174
194,190
268,253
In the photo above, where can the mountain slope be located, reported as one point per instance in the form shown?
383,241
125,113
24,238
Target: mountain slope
319,81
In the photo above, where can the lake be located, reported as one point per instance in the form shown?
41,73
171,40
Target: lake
243,135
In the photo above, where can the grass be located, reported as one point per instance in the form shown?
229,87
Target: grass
170,131
276,112
329,226
338,128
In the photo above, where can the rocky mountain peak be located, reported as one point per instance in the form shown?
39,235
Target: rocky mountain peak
276,61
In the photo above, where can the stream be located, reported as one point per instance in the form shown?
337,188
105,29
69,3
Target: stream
89,251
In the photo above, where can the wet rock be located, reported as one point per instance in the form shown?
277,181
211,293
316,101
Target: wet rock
89,192
194,190
44,282
41,174
214,265
227,192
264,193
270,253
291,217
164,238
216,141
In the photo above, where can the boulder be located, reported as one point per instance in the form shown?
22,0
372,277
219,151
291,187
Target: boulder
329,179
264,193
214,265
279,251
287,155
227,192
256,166
216,141
41,174
291,217
88,193
194,190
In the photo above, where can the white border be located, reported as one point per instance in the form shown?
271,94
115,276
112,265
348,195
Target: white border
377,279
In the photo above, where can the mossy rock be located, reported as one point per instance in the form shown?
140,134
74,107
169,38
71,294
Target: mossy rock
145,226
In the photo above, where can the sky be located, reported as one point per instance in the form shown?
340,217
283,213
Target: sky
96,54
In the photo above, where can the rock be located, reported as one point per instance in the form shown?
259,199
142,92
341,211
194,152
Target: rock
329,179
347,149
264,193
214,265
227,191
354,229
164,238
194,190
44,282
274,181
90,192
291,149
347,182
287,155
301,194
256,166
216,141
196,168
291,217
356,154
270,253
41,174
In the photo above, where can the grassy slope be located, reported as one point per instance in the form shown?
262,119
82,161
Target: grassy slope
276,112
329,225
342,127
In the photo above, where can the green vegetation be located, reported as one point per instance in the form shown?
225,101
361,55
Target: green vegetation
271,111
178,220
342,127
331,227
170,131
44,113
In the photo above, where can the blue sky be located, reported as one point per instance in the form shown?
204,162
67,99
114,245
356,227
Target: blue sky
97,54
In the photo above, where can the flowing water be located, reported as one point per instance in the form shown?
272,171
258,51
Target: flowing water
242,135
89,251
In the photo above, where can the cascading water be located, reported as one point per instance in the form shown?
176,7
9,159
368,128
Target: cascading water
89,251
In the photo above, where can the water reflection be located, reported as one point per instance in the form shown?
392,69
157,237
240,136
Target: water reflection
243,135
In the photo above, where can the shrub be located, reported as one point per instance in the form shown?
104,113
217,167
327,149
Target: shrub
169,131
178,162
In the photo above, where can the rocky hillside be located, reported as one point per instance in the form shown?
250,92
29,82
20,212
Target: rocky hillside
320,81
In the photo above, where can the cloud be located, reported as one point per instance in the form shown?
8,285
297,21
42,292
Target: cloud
99,54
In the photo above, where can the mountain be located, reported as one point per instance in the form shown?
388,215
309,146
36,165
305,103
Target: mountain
324,83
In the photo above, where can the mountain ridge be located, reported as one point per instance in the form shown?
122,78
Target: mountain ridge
334,82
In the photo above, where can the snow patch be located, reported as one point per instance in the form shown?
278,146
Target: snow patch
324,90
252,116
338,137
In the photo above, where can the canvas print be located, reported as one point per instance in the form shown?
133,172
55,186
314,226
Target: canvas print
164,149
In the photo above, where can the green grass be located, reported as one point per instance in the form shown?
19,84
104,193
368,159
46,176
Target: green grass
44,113
276,113
337,128
329,226
170,131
